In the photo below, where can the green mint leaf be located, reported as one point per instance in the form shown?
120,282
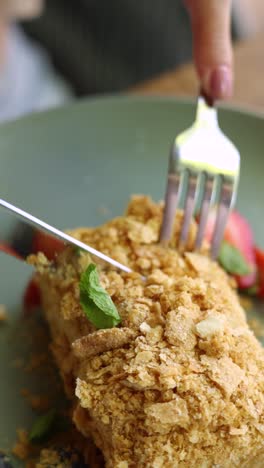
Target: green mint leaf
43,426
232,260
96,302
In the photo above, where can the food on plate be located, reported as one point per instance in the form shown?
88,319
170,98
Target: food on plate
260,265
31,299
47,244
61,458
162,372
239,255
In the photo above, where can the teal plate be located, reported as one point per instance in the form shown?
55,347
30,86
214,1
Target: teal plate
78,166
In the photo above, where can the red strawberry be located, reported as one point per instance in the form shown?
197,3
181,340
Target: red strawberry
239,234
50,246
47,244
260,264
31,299
8,250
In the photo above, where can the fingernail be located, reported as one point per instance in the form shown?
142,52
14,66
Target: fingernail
220,83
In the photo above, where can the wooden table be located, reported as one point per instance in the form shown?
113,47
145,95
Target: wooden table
249,77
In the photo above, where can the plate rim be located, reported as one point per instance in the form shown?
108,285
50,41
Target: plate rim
148,98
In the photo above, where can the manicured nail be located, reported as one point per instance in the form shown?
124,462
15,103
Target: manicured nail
220,84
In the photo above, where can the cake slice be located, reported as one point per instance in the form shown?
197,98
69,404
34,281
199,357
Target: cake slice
180,381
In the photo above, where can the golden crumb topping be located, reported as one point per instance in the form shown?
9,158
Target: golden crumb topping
180,383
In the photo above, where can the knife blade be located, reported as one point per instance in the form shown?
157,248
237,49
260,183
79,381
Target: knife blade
23,228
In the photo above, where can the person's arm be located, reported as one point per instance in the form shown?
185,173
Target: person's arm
12,10
20,9
212,47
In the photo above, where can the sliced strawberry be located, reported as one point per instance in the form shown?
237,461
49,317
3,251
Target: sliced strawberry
31,299
260,265
47,244
50,246
239,234
8,250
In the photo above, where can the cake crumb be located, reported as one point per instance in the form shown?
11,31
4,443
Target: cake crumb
101,341
22,447
209,326
224,372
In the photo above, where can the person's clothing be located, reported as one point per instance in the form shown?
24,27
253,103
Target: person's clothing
97,46
104,46
28,81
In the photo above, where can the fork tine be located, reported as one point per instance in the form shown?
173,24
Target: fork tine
225,201
205,208
173,192
192,190
205,151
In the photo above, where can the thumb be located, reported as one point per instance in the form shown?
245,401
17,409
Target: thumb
212,48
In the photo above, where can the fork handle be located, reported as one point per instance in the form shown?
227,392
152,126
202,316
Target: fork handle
206,112
209,100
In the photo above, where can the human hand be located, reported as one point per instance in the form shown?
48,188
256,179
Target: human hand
212,47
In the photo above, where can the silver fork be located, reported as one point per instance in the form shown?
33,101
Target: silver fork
204,165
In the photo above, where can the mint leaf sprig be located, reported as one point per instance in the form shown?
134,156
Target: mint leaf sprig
231,259
96,302
42,426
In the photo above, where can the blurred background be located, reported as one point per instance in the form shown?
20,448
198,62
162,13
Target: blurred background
52,51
